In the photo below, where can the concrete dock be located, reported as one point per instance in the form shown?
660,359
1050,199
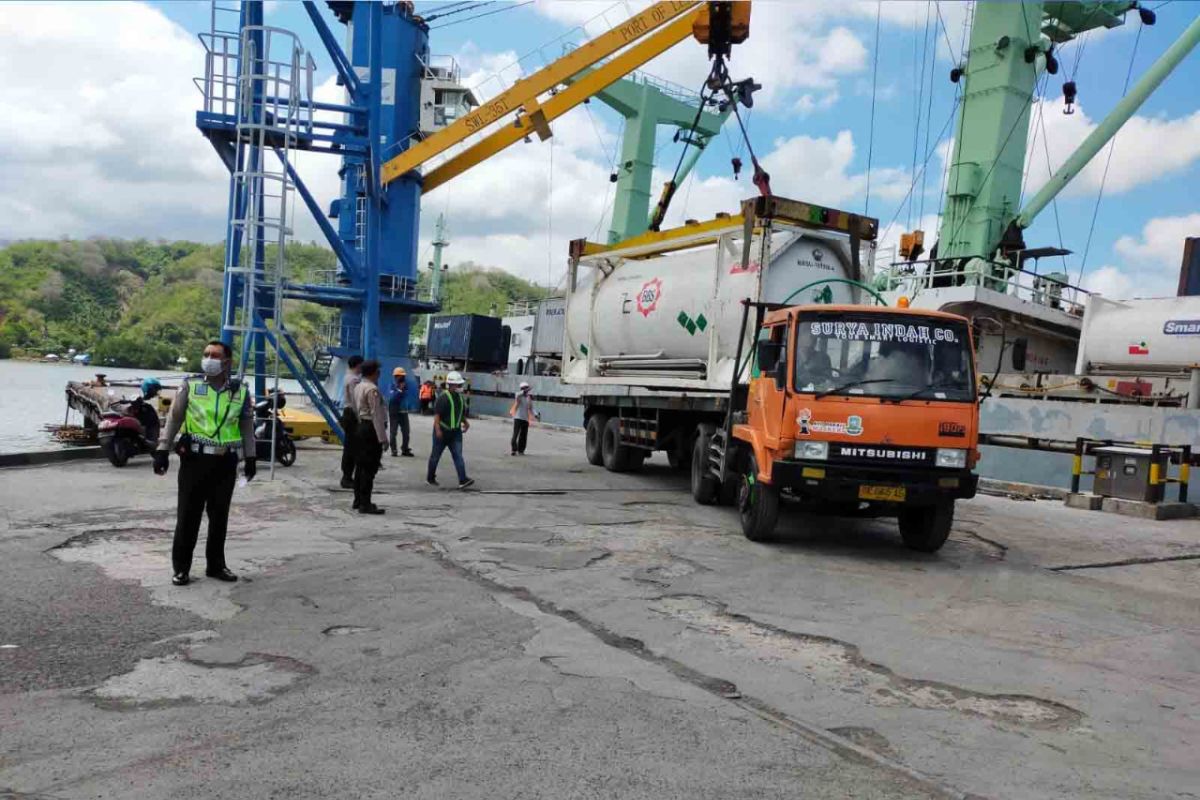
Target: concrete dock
565,632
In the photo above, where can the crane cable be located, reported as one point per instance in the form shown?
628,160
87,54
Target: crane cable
874,85
718,80
484,14
1108,162
444,11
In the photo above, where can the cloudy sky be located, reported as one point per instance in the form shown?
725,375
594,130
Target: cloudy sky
97,132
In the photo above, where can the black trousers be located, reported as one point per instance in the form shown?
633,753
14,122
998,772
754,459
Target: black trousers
520,435
205,485
367,452
349,426
398,419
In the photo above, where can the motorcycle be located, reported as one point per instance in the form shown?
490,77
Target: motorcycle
266,414
130,427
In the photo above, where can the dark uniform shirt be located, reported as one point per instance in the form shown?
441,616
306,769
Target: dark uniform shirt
450,416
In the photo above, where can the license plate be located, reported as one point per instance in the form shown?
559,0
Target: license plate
890,494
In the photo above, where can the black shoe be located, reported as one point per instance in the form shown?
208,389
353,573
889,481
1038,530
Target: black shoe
466,483
431,481
222,574
371,509
347,483
408,453
355,506
394,454
180,579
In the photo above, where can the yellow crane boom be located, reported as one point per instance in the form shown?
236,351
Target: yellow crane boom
524,93
536,118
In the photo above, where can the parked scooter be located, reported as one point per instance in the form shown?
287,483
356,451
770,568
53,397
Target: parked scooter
130,427
266,414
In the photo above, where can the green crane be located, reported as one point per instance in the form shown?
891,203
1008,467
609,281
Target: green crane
1010,44
645,103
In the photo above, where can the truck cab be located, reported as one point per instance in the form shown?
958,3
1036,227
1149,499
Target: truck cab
853,410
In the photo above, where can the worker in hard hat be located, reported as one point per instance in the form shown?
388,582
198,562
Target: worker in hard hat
449,425
522,413
371,431
397,400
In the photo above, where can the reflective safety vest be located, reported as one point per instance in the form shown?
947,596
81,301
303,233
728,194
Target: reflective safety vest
457,405
426,391
214,417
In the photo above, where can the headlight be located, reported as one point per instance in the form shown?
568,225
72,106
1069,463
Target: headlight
815,451
950,458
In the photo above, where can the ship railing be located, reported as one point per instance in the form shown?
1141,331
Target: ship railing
1046,289
522,308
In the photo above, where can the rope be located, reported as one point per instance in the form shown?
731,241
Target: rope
920,98
945,33
434,12
1054,203
485,14
1108,162
912,186
874,85
443,12
928,119
550,219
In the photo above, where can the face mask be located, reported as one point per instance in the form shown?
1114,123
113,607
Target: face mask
212,366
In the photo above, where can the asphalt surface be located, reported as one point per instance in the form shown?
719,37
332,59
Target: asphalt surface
566,632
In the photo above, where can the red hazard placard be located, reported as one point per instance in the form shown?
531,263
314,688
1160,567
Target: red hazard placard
648,297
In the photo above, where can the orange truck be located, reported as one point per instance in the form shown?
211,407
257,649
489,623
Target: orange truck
742,349
852,410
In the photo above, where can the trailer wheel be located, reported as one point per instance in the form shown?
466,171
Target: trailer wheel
926,528
704,484
593,441
758,505
619,457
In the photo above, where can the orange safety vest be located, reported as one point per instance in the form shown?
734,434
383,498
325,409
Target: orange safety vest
426,392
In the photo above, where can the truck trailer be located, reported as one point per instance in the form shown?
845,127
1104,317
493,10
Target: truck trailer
748,350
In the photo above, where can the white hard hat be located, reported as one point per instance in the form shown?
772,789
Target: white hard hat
524,385
455,379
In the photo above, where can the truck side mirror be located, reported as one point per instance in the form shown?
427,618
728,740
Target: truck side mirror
1020,348
767,354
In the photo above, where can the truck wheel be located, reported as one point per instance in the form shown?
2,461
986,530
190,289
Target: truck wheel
758,504
593,441
618,457
704,484
926,528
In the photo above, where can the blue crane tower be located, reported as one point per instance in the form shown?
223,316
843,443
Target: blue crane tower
259,111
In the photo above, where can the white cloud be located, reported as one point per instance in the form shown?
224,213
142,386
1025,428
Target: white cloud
1110,281
97,138
1150,262
1161,243
1146,149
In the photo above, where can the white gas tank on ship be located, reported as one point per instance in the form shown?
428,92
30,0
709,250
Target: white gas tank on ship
680,313
1155,335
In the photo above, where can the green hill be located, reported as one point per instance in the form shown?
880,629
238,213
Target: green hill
144,304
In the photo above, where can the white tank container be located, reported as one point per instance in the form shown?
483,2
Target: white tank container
673,320
1155,335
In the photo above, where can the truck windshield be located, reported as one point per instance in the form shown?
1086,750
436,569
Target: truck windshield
896,356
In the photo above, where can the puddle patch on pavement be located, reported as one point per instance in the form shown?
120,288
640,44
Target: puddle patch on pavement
663,574
519,535
839,665
177,680
347,630
557,558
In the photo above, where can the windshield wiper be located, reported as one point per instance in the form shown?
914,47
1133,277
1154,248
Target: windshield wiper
851,385
927,387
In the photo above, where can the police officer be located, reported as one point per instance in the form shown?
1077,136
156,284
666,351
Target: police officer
214,421
371,433
349,420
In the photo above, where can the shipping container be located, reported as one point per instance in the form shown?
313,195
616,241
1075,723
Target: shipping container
475,340
550,327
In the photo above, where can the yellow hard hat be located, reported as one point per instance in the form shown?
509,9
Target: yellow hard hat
399,372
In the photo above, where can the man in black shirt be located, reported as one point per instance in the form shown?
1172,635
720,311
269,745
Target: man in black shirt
449,424
350,421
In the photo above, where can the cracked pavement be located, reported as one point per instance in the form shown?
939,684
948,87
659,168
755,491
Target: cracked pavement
567,632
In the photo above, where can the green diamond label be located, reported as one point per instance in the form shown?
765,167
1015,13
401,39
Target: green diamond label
701,322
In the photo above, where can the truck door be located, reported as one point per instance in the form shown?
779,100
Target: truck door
769,394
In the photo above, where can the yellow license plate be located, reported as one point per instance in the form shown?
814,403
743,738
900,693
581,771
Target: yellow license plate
890,494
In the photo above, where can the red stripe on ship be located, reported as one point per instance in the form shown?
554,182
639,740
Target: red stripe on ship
1138,350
